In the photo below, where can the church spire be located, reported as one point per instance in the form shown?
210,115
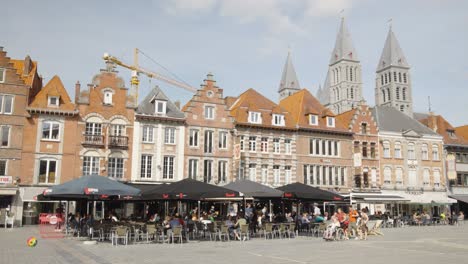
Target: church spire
289,83
392,54
344,49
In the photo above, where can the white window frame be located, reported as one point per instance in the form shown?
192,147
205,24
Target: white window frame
147,134
264,174
158,103
209,112
255,117
51,125
424,152
387,175
330,121
93,129
168,167
276,146
194,135
288,146
252,172
117,130
264,144
146,166
169,135
397,151
222,171
278,120
287,174
426,177
8,128
2,75
386,149
47,171
437,178
114,170
57,101
276,174
252,143
93,167
193,169
2,104
411,151
435,152
223,138
313,120
399,176
208,146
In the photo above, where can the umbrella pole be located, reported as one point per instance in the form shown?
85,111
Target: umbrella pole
269,210
198,211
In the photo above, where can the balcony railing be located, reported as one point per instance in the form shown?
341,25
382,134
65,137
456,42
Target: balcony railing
93,140
118,142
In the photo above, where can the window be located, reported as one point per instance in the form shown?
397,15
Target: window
363,128
412,178
350,74
278,120
372,150
313,120
381,80
6,104
330,121
364,149
117,130
357,147
451,133
90,165
426,179
388,94
193,169
222,140
50,130
336,147
399,176
209,112
147,135
207,171
324,147
287,146
386,80
160,107
115,168
383,95
404,77
108,98
435,152
318,170
343,176
47,170
264,144
386,149
287,174
352,92
398,150
399,77
5,133
169,135
3,167
252,143
402,108
404,94
324,175
437,178
411,153
241,143
387,175
424,152
276,174
193,138
255,118
2,75
222,171
252,172
264,174
168,167
208,147
394,76
398,93
53,101
330,175
93,129
146,166
276,145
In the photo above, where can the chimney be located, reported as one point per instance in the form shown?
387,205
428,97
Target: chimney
177,104
27,65
77,91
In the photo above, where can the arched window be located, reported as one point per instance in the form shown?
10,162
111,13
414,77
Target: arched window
404,77
398,93
388,94
337,94
347,92
404,93
424,152
399,77
386,78
397,152
435,152
411,153
352,93
381,79
386,149
399,176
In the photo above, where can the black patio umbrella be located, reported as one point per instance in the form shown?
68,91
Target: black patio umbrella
188,189
92,187
254,189
306,192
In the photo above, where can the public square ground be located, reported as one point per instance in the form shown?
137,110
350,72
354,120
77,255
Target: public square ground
433,244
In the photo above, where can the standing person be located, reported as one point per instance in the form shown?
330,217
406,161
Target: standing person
353,215
363,229
316,210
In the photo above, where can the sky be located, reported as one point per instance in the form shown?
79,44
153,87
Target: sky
244,43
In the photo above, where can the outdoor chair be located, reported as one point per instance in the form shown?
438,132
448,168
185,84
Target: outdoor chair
268,229
224,233
375,230
320,229
211,231
244,230
121,232
291,231
160,235
151,232
199,229
10,220
190,230
176,233
281,231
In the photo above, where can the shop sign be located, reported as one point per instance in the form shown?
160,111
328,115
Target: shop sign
6,180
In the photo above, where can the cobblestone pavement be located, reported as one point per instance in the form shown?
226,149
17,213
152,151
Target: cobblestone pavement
447,244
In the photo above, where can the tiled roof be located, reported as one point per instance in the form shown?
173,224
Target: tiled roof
390,119
303,103
146,106
346,117
442,127
53,88
252,101
462,131
230,100
19,66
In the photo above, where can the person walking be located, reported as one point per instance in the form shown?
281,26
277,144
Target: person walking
353,215
363,229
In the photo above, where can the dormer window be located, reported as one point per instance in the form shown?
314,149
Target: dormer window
160,107
451,133
108,98
278,120
255,118
313,120
53,101
330,121
2,75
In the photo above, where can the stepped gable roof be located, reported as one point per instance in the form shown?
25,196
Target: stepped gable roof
27,73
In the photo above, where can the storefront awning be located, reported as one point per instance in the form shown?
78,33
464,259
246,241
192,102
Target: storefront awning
382,198
460,197
423,197
8,191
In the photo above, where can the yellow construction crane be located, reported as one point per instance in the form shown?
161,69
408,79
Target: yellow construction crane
136,70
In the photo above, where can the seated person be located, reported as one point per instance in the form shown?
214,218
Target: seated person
240,221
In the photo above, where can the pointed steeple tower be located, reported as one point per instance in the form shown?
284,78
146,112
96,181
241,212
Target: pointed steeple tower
342,90
393,82
289,83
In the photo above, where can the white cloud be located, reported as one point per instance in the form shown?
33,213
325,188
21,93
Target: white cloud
175,7
323,8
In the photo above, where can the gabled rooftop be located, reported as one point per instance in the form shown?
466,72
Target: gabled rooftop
344,48
392,54
54,88
147,107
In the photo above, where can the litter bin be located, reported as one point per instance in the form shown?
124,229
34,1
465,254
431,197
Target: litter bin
29,217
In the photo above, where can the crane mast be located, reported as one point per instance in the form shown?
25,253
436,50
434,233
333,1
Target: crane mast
137,70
